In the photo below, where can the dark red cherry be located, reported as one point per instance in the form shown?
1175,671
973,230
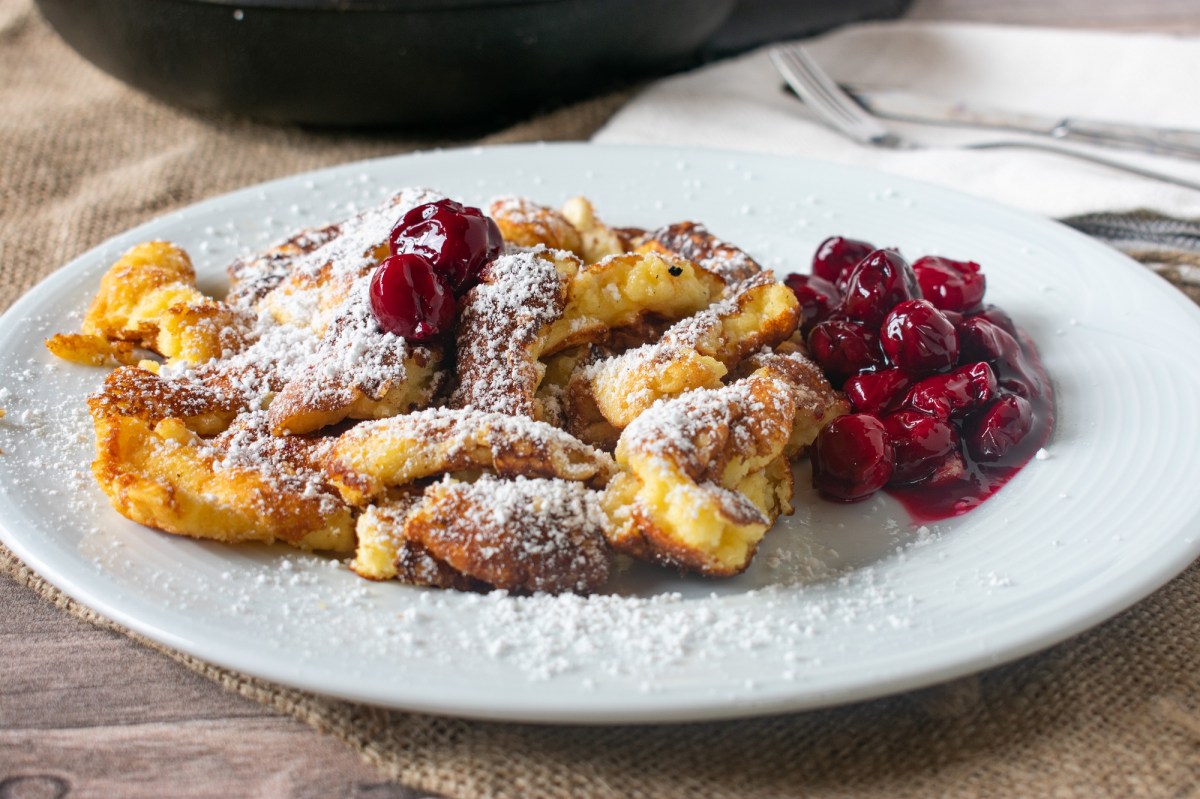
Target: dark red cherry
982,340
955,317
876,392
954,394
920,443
997,316
950,285
844,348
879,282
816,295
918,338
409,298
837,255
999,427
852,458
458,240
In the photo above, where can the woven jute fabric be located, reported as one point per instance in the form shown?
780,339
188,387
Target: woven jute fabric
1114,712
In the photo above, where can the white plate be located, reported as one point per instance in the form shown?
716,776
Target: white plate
843,603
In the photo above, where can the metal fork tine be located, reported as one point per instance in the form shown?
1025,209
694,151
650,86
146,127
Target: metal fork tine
800,79
827,99
818,82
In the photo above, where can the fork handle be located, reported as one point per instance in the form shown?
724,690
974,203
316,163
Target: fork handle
1179,143
1095,159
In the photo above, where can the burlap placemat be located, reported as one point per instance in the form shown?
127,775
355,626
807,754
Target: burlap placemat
1110,713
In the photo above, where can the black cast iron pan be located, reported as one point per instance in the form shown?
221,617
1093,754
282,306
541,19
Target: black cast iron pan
404,63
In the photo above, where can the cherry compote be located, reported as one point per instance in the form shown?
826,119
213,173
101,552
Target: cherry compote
845,347
918,338
878,283
950,398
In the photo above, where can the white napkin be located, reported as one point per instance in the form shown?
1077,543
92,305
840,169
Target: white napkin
1143,78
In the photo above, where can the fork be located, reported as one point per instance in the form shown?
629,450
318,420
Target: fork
838,109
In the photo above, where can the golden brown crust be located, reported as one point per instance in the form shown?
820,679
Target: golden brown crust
318,282
356,371
133,392
148,299
92,350
251,278
524,223
817,402
163,475
694,242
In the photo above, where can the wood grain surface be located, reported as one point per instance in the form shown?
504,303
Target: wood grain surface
88,713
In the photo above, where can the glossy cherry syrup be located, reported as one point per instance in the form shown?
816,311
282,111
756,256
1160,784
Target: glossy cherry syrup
949,398
981,479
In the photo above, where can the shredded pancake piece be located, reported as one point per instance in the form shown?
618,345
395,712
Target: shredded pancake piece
704,476
374,456
694,353
817,402
527,535
149,299
318,282
524,223
356,371
244,485
501,330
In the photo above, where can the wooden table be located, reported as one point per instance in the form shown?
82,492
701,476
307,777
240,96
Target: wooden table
86,712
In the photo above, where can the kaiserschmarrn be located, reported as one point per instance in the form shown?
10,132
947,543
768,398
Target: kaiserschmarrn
603,393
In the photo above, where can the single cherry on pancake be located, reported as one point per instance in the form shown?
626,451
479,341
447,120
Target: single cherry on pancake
411,299
458,240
